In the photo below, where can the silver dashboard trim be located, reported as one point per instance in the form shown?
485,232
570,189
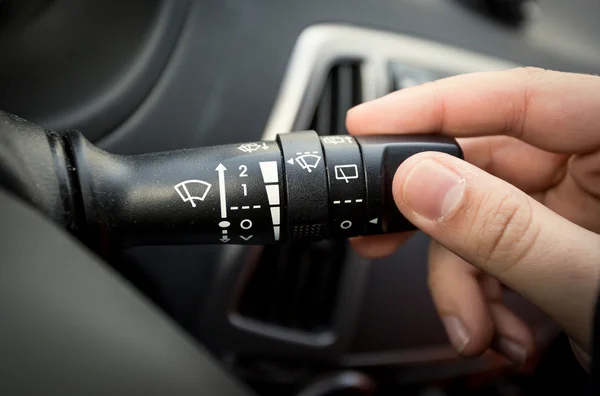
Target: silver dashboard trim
319,46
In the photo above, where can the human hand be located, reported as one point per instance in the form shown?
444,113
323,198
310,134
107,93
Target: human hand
523,210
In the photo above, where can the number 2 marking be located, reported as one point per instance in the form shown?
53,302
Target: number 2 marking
245,190
244,169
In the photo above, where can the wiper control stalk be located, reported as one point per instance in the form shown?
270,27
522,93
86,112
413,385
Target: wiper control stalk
302,187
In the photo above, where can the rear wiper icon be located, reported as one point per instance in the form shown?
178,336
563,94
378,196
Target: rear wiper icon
308,161
192,190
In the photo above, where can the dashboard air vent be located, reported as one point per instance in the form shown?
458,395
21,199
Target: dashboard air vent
295,286
342,91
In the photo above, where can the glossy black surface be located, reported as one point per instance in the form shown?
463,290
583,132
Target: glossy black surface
382,155
33,166
300,188
212,195
347,188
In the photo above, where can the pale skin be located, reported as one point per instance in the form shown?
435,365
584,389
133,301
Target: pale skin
522,210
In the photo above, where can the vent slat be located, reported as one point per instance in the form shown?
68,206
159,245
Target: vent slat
293,269
299,291
341,91
326,293
317,305
323,113
275,304
343,83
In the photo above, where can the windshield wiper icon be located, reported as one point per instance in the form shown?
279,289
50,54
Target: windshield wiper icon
192,190
308,161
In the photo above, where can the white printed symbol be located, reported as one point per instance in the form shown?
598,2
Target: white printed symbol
224,224
246,238
271,178
246,224
252,147
374,221
346,172
192,190
269,171
273,194
222,194
308,161
337,140
275,215
346,224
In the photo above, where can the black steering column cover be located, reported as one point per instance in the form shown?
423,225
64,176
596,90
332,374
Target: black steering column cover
70,326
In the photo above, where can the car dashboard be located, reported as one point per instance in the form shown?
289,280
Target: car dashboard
142,76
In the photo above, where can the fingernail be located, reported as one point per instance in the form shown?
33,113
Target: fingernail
432,190
457,332
512,350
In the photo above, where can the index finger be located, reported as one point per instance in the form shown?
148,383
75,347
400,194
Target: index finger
555,111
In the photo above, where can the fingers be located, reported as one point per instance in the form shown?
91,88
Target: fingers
502,231
460,302
551,110
502,156
379,246
513,337
578,195
470,305
507,157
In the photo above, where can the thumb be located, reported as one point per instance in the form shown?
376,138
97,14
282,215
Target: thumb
496,227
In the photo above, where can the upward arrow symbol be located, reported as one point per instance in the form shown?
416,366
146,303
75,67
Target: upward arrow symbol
221,169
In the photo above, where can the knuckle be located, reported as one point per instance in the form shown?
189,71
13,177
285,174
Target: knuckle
505,231
516,121
531,71
438,101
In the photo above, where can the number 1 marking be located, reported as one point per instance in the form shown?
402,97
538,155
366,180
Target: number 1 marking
245,190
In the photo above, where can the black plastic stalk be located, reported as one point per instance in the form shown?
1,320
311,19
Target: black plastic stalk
305,186
32,166
382,155
221,194
301,187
